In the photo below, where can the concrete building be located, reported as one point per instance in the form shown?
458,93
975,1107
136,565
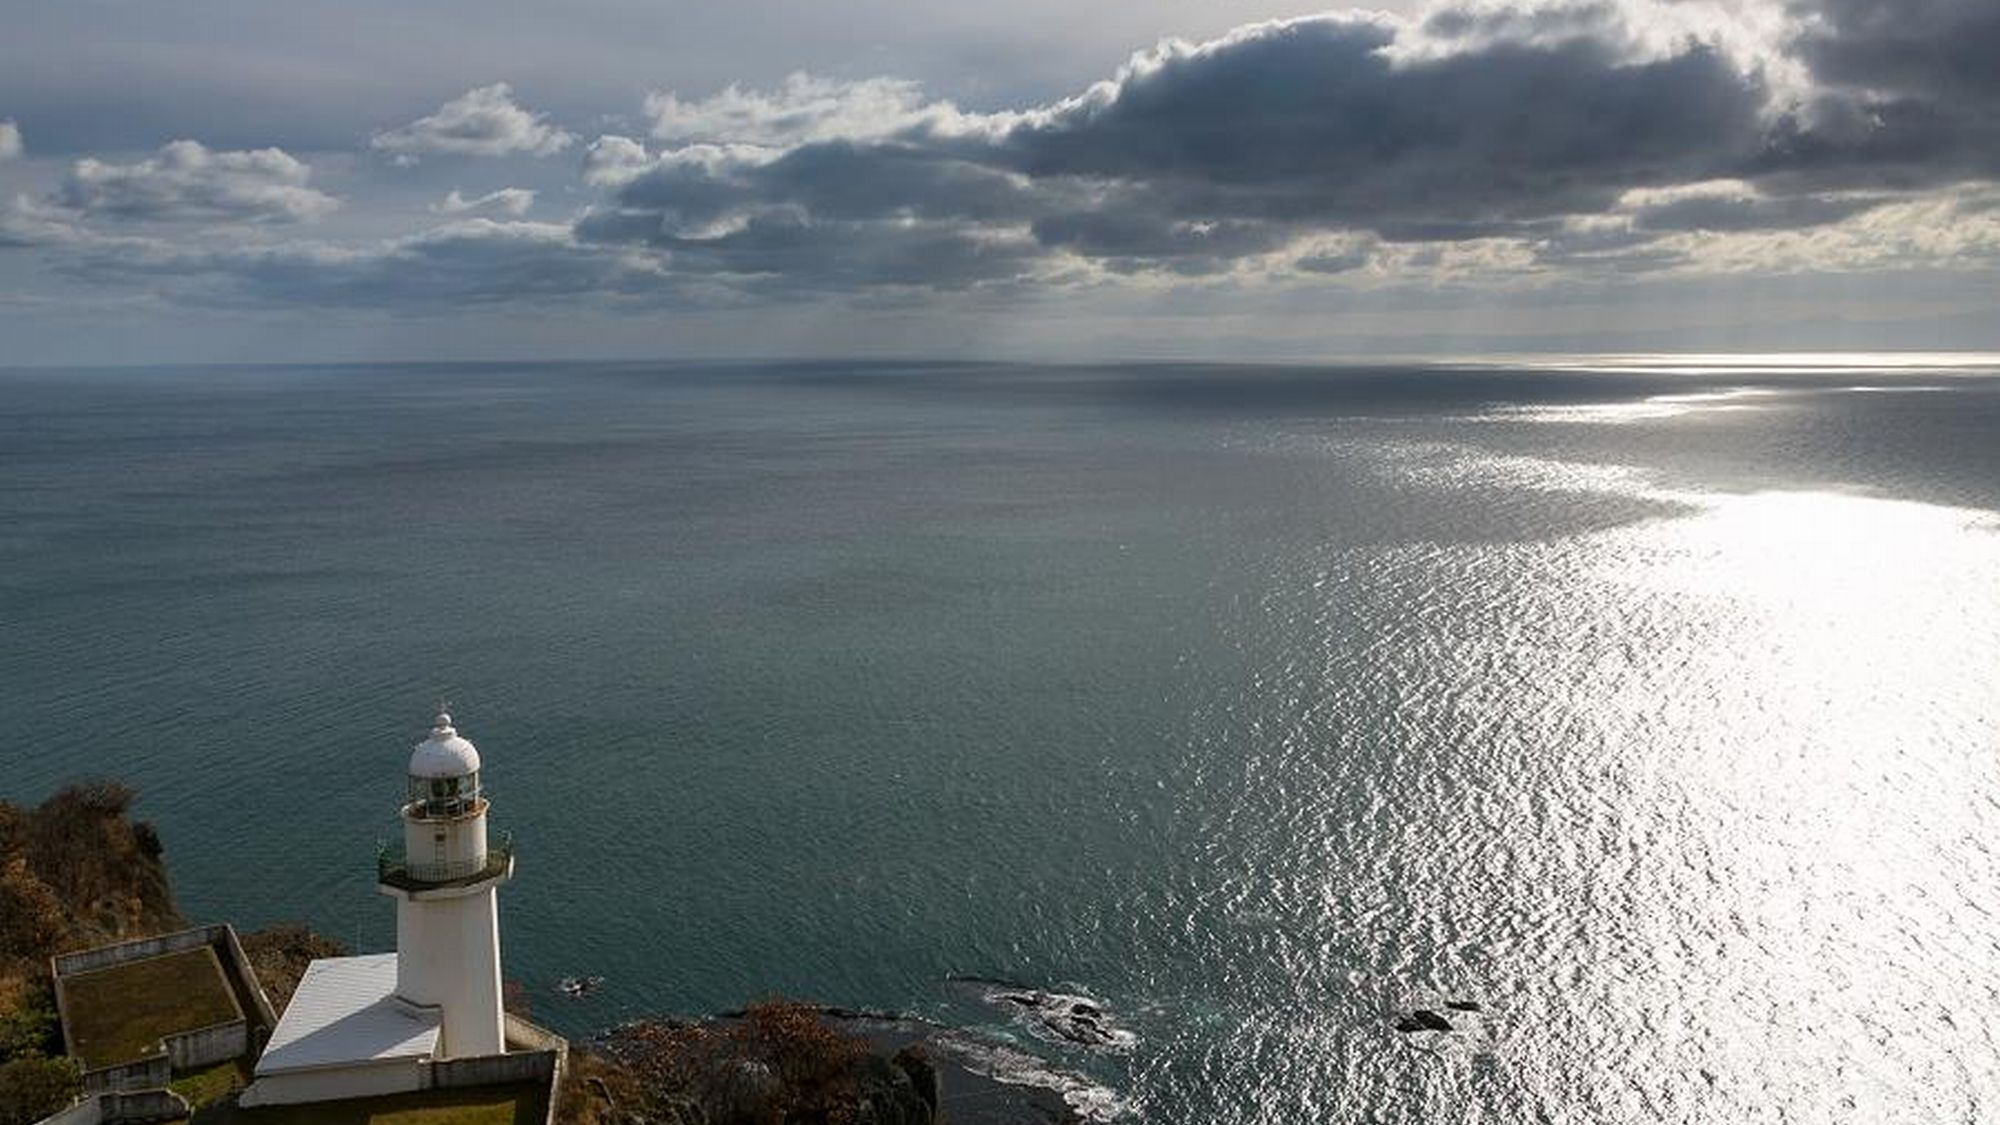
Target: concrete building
391,1023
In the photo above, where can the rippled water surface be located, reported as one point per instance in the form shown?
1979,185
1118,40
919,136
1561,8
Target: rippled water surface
1652,705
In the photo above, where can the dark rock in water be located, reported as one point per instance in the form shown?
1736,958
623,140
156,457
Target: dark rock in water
1067,1019
1462,1005
991,1082
1423,1019
914,1061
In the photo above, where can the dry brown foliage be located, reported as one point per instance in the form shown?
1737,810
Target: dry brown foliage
76,872
279,954
779,1064
597,1090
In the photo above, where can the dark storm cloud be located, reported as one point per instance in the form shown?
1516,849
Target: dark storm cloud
842,180
1312,120
1344,260
1559,136
781,252
1198,156
1131,239
1742,213
1484,121
847,180
1943,51
1909,94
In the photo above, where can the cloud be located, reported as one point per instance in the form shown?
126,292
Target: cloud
1127,241
612,160
1491,141
506,201
186,181
25,222
485,121
1934,50
1521,139
1732,205
10,140
472,262
1196,156
1312,120
805,108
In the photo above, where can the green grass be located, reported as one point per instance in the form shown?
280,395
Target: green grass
120,1014
517,1104
206,1087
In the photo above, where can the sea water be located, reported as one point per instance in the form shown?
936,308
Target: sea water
1652,705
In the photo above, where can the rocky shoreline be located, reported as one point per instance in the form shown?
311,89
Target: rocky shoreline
964,1077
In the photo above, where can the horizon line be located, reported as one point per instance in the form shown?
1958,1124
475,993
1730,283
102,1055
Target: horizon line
1763,360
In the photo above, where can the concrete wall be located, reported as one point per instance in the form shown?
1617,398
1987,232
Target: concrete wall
188,1050
525,1036
142,1075
207,1046
85,1112
261,1015
395,1076
69,964
542,1067
110,1109
201,1047
492,1070
142,1105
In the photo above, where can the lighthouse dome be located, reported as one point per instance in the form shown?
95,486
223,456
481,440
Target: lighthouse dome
446,753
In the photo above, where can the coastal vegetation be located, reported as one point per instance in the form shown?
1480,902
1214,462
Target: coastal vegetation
76,871
776,1063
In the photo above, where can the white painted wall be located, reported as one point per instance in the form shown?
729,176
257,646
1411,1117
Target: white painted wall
362,1080
446,848
448,954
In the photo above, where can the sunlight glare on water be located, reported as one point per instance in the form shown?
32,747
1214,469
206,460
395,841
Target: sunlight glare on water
1721,849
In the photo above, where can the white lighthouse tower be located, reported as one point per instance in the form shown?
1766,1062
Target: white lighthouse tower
447,909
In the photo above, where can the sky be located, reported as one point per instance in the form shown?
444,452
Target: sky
229,180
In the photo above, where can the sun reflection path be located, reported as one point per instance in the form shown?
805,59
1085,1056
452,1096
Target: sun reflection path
1745,764
1703,805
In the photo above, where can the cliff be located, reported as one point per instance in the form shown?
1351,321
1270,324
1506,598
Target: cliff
77,871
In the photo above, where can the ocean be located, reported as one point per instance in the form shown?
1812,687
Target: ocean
1652,703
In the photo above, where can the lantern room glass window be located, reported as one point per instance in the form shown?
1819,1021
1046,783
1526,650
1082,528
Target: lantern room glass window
445,796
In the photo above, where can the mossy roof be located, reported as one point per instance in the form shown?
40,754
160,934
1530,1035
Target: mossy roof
119,1014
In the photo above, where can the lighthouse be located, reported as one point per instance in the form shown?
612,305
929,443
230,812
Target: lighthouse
383,1024
446,886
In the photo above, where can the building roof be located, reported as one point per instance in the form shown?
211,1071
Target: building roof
445,753
346,1011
